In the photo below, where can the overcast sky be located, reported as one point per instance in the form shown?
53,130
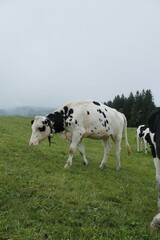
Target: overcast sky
57,51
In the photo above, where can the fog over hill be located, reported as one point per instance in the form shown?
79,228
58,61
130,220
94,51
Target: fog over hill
25,111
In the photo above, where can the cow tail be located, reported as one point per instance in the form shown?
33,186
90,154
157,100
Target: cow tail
126,137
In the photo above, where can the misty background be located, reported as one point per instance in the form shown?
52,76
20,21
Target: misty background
53,52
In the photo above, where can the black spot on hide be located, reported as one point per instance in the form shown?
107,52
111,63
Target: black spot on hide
57,121
148,139
104,115
153,120
67,112
70,111
101,112
154,127
96,103
105,123
142,129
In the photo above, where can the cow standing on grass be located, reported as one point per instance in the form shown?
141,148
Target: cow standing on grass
142,137
154,128
78,120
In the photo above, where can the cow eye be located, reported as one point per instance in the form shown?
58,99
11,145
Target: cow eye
45,122
42,129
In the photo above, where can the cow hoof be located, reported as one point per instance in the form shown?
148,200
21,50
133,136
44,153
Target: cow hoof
152,227
155,224
85,164
102,166
67,166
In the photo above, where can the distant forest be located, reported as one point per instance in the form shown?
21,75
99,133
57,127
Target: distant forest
136,108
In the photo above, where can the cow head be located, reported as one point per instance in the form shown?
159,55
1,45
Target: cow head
41,129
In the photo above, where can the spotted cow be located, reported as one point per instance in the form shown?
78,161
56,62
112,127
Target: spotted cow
142,137
154,128
78,120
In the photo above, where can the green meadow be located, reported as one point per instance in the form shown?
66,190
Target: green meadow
40,200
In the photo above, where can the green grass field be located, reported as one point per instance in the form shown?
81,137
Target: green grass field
41,200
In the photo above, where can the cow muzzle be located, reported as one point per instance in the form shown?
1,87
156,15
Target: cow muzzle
31,143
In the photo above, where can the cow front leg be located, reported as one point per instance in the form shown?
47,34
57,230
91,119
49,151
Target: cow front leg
82,152
156,220
145,146
76,138
70,158
107,148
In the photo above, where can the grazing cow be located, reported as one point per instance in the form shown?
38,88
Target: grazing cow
142,136
154,128
78,120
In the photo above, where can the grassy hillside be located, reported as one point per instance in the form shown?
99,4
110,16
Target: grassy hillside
41,200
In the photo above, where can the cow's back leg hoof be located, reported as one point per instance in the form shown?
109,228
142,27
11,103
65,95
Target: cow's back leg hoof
85,164
155,224
118,168
67,166
103,165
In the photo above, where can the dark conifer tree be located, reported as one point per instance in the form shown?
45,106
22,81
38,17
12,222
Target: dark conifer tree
136,108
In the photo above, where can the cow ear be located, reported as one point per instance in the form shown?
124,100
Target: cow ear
32,122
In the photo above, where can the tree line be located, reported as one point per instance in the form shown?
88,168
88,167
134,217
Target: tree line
136,108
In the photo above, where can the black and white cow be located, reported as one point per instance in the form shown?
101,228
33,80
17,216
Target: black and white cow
154,128
78,120
142,137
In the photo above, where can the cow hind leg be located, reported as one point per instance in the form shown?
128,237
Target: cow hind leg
141,145
156,220
82,152
138,144
70,158
107,148
117,144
